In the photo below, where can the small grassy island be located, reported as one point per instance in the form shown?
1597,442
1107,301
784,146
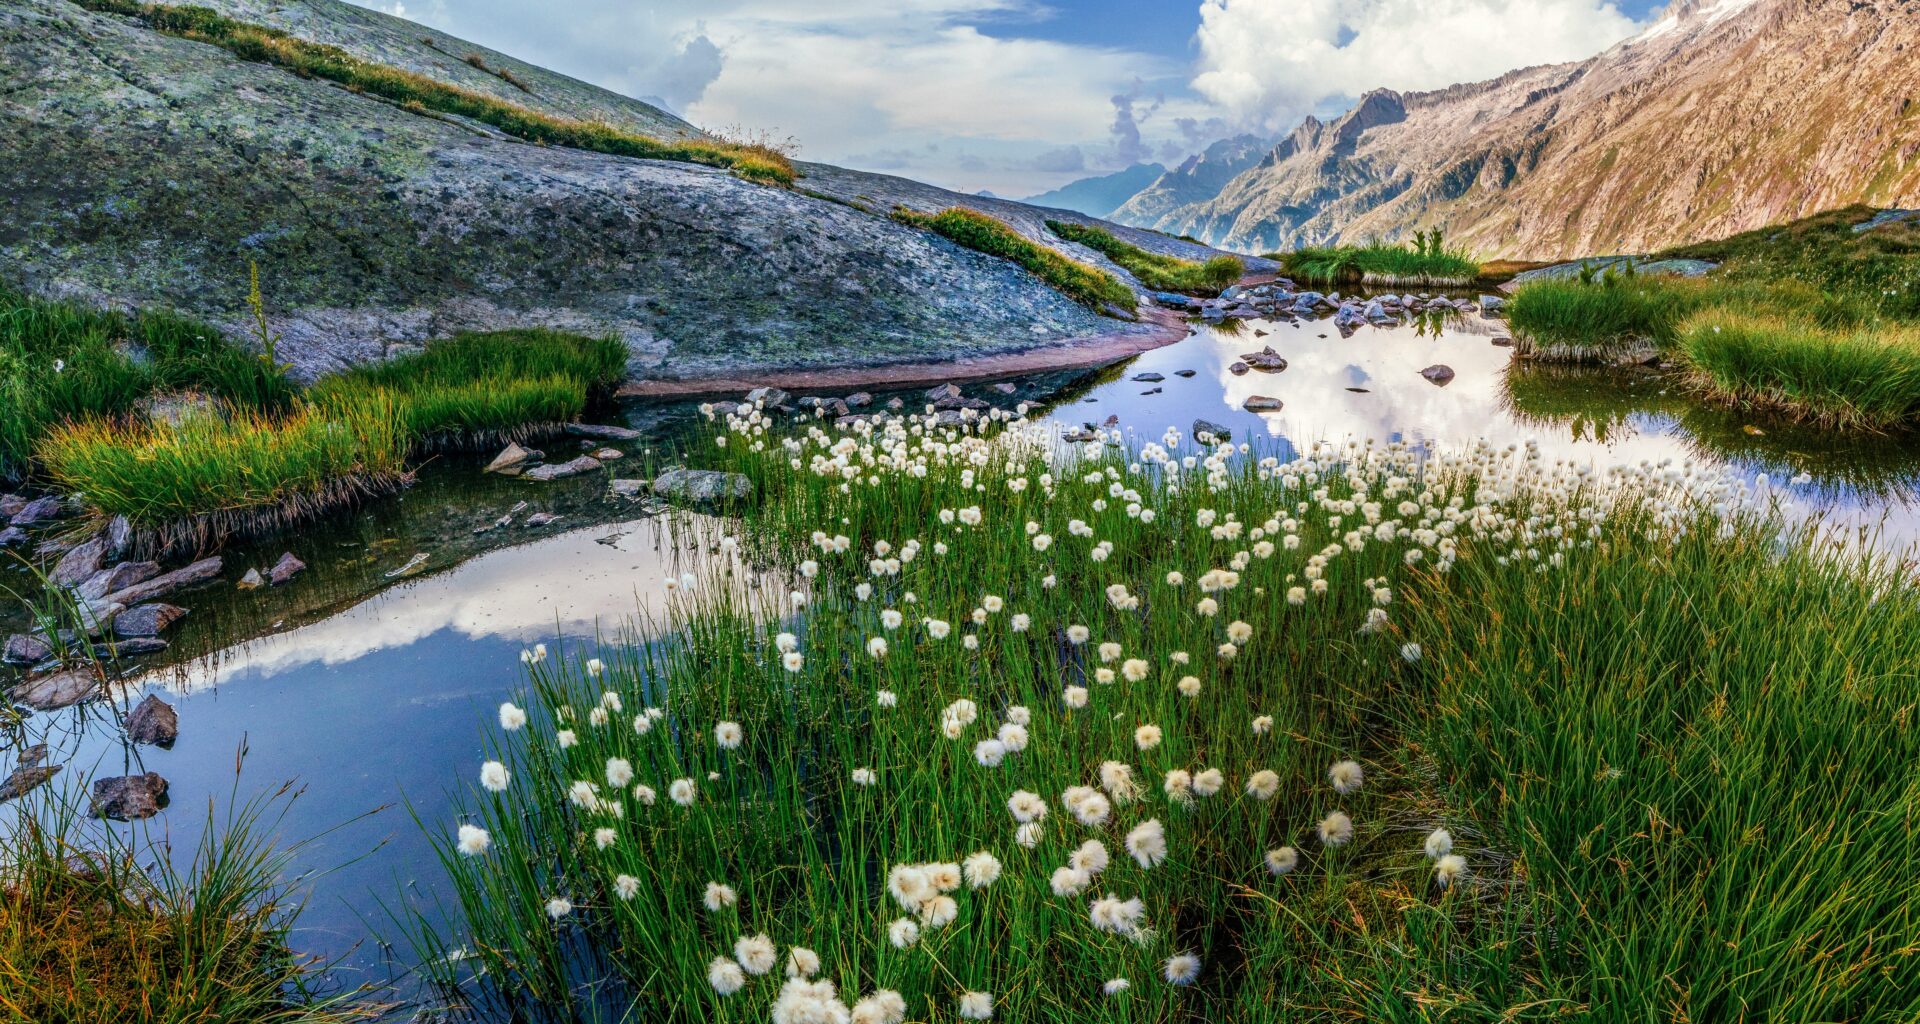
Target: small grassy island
1426,261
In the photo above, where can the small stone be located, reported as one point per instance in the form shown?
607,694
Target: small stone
607,454
119,577
1151,391
771,398
25,649
542,518
1502,341
147,619
203,571
895,404
1439,373
1149,378
12,537
25,779
285,569
934,394
1360,391
10,505
1214,430
134,646
251,581
1003,388
1239,369
1261,403
129,797
859,400
702,486
56,690
153,722
1185,373
556,471
629,488
603,432
511,457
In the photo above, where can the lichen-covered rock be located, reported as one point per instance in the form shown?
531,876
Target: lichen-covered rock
702,486
153,722
147,619
55,690
129,797
375,227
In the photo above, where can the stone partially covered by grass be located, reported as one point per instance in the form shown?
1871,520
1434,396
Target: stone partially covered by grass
1857,378
482,389
1182,733
60,361
87,936
230,472
1426,261
1161,273
1086,285
752,161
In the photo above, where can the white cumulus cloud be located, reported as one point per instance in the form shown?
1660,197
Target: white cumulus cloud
1269,63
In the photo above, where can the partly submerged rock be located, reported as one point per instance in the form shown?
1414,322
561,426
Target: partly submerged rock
1438,373
116,578
25,649
1261,403
252,580
1213,432
558,470
513,456
1149,378
1239,369
25,779
608,454
603,432
702,486
629,488
1266,360
769,398
129,797
285,569
12,537
55,690
203,571
147,619
79,563
543,518
153,722
39,510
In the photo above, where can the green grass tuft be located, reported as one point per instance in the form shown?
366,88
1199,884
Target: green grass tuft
318,60
1858,378
1158,272
1427,261
1086,285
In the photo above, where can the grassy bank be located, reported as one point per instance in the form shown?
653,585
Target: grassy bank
1426,261
87,935
318,60
62,361
1158,272
1813,320
1126,737
1089,286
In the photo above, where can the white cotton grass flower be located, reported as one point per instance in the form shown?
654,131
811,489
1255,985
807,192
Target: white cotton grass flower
910,886
1410,653
1181,969
756,954
865,777
595,667
1074,697
886,698
1026,806
512,717
1439,843
728,735
604,837
1262,724
1346,777
1091,857
725,976
1263,784
719,897
943,876
1078,635
877,647
884,1006
619,772
1208,782
976,1006
1189,686
1239,632
802,962
1126,918
534,655
938,912
1282,860
494,776
903,933
1117,779
683,792
1178,786
793,661
566,738
559,907
989,753
646,795
1134,670
1030,834
1147,737
982,869
1336,829
473,840
1115,986
1449,869
626,887
1147,843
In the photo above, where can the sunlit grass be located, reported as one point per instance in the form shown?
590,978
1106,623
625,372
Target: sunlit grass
1086,285
1161,273
1861,378
1428,261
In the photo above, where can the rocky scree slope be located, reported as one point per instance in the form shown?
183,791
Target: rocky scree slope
1722,117
145,169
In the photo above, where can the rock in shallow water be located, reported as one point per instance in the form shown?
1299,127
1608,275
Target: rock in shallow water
285,569
1261,403
555,471
25,779
513,456
147,619
199,572
153,722
702,486
116,578
22,649
1439,373
129,797
79,563
56,690
603,432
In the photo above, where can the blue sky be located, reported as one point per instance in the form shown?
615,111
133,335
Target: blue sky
1019,96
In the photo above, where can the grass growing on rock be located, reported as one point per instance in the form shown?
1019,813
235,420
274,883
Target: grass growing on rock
1175,733
1156,271
1858,378
1089,286
319,60
87,936
60,361
1426,261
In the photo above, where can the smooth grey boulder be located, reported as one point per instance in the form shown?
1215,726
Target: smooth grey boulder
629,488
25,649
203,571
513,456
147,619
55,690
558,470
129,797
285,569
603,432
771,398
859,400
1439,373
39,510
153,722
116,578
1213,430
702,486
1142,378
80,562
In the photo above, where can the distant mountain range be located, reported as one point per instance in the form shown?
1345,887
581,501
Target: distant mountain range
1723,116
1098,197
